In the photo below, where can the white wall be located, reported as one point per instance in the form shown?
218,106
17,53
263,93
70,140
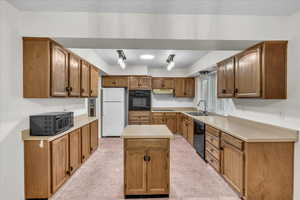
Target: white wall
143,26
159,100
14,110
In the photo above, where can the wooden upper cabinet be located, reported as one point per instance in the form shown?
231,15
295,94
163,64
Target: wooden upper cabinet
60,161
115,81
94,77
85,79
50,70
74,76
261,71
225,73
94,135
140,83
248,73
75,150
59,71
185,87
162,83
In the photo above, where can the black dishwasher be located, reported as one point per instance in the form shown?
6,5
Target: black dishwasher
199,138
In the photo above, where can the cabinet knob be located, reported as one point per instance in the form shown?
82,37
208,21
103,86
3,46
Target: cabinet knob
70,89
91,149
147,158
236,90
68,172
67,89
91,91
71,168
83,157
82,90
223,91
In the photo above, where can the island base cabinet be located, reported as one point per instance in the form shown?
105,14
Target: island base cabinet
146,166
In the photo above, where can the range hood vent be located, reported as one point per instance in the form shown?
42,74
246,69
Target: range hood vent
163,91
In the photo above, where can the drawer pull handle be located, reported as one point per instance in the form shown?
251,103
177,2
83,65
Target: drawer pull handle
212,150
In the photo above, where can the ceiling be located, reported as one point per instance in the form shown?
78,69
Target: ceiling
227,7
183,58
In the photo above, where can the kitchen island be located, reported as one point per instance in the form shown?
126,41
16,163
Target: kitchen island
146,160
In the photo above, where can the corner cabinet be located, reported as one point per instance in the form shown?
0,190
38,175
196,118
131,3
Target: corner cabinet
146,166
50,70
259,72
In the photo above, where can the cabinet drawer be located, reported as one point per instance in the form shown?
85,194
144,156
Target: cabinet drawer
139,123
232,140
139,114
212,161
212,139
212,150
171,114
146,143
158,114
212,130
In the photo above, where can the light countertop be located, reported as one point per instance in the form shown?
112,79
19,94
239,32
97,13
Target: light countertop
79,121
147,131
249,131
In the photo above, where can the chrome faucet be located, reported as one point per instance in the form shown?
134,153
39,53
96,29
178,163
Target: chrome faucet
205,105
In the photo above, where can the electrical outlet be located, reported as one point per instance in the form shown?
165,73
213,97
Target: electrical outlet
282,115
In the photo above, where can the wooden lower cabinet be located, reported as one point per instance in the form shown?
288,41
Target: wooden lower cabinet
75,150
146,166
139,117
85,142
60,161
233,166
50,163
94,135
179,123
167,118
188,129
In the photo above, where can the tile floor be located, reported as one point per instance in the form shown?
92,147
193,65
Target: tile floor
101,177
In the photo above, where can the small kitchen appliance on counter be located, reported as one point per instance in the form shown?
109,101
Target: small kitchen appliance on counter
92,107
52,123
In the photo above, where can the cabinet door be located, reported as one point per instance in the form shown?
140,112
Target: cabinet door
179,87
157,83
134,83
171,123
221,80
94,76
179,123
185,128
75,150
94,135
59,71
85,142
85,79
189,87
135,171
60,161
158,120
232,166
74,76
144,83
248,73
230,82
190,135
168,83
158,171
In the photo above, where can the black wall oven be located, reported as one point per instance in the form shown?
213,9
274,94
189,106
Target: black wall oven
139,100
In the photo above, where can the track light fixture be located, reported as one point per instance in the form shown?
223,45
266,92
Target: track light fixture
121,58
170,62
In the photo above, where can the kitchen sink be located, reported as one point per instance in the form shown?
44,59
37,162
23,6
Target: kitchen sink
199,113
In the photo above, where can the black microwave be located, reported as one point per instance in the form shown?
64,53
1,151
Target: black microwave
139,100
52,123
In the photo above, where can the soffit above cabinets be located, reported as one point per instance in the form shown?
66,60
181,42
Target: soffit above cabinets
195,7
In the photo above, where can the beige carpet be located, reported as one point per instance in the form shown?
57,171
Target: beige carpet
101,177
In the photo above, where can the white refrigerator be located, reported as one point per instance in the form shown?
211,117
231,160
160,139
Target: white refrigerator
114,111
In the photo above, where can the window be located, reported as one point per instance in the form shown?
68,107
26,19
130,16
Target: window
208,92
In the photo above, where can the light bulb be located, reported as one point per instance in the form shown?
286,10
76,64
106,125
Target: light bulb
170,65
